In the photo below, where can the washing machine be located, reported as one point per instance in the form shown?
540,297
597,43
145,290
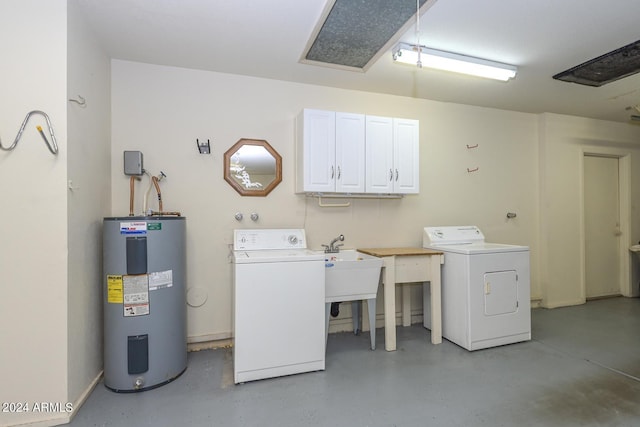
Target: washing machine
279,293
485,288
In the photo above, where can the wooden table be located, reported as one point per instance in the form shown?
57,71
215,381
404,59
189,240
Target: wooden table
408,265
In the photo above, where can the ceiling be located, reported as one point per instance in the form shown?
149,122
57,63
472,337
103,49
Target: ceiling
266,38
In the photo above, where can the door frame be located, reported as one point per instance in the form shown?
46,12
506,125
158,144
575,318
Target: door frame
624,207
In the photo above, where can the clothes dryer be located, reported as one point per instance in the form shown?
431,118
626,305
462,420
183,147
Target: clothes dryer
485,288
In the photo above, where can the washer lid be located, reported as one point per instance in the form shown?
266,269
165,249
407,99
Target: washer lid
277,255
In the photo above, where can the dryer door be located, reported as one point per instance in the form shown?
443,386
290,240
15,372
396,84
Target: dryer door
500,292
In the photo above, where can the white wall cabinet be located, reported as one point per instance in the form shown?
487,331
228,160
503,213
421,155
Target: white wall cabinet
392,155
379,154
330,152
406,156
354,153
350,160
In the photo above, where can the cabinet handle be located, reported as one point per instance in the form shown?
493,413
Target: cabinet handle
339,172
396,174
332,172
390,174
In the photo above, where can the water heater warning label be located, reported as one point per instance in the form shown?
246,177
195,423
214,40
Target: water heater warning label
160,280
136,295
114,289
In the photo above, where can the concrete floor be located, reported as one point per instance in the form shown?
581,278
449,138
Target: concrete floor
582,368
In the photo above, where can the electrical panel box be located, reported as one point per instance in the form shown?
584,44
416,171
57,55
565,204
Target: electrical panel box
133,163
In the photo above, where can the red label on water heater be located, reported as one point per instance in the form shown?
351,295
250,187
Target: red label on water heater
139,227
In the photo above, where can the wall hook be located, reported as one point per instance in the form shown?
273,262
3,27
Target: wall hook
52,146
81,102
472,146
473,170
203,147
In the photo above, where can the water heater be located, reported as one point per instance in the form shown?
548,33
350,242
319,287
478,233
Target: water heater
145,333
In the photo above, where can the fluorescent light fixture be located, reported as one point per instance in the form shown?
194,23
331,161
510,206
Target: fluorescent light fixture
441,60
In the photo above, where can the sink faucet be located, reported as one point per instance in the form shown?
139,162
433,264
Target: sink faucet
332,248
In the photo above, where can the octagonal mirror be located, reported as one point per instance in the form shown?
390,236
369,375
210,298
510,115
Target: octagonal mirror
252,167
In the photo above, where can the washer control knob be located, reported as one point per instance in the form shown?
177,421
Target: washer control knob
293,239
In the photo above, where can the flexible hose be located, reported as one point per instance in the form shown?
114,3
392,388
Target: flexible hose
155,183
145,200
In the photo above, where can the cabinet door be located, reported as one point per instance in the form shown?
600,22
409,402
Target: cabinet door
379,154
350,160
406,156
318,150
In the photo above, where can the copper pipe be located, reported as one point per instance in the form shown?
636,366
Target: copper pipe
160,213
131,190
155,183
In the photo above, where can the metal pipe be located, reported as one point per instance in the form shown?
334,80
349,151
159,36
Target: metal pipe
52,146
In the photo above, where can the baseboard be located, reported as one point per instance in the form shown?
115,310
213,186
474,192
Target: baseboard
210,345
85,395
564,304
61,419
50,422
603,297
208,337
64,418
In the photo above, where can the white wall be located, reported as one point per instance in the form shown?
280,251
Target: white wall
564,140
89,200
33,191
50,254
50,250
162,110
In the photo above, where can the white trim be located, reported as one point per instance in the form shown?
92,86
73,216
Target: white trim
624,208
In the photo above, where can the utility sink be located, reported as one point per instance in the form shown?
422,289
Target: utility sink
351,275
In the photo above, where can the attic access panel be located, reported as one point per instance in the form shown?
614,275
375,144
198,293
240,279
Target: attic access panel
354,31
604,69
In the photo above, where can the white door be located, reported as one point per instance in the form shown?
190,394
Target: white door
406,156
602,226
350,153
319,150
379,154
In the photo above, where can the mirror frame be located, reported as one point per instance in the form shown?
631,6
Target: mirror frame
250,192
